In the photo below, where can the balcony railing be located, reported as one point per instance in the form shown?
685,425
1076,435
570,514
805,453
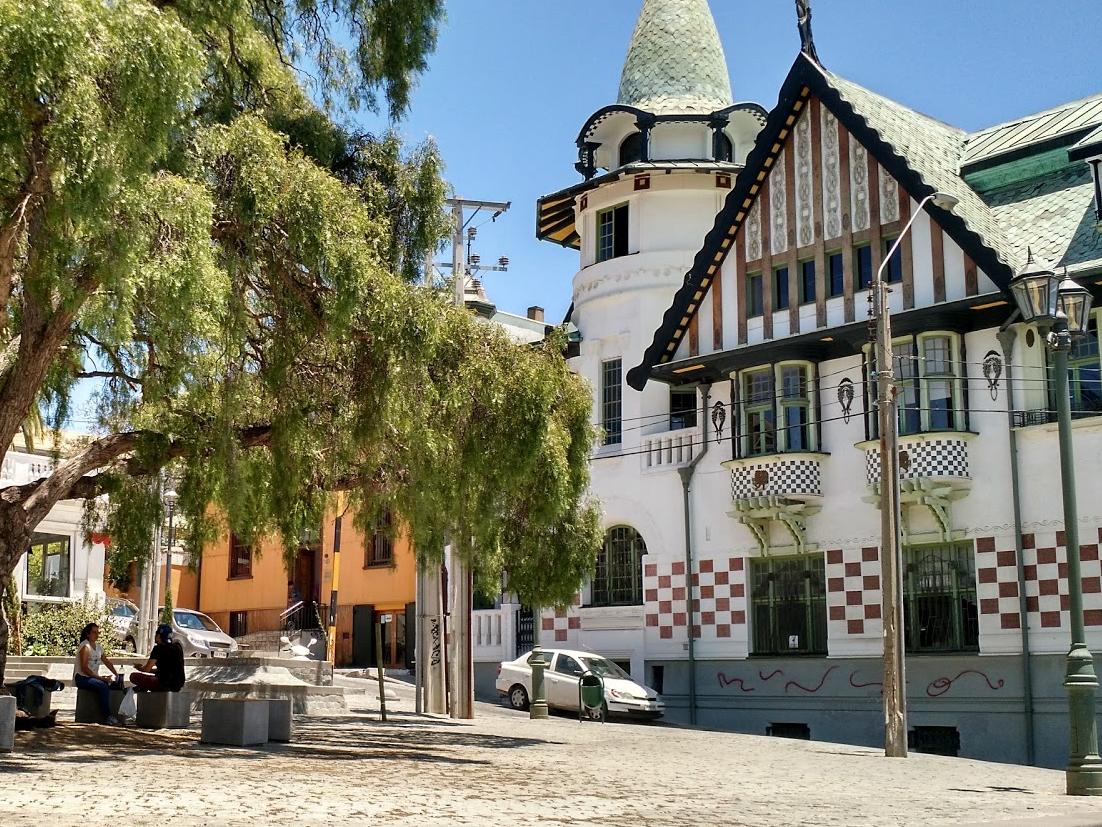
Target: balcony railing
795,475
671,449
924,456
20,468
494,633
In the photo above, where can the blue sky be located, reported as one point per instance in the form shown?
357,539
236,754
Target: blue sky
512,81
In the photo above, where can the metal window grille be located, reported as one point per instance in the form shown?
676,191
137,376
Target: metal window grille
241,558
611,400
939,599
788,605
618,580
381,550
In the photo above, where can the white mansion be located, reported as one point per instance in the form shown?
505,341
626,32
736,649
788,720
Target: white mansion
721,303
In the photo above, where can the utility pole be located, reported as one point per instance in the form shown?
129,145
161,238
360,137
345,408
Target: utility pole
462,687
331,633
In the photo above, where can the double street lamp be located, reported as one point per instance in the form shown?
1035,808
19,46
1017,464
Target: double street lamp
1061,308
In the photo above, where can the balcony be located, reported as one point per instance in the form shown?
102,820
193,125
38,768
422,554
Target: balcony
670,450
782,489
933,474
20,468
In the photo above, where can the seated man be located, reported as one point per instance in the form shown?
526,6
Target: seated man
167,659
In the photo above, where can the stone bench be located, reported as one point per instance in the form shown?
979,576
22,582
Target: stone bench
41,709
163,710
88,709
237,722
279,719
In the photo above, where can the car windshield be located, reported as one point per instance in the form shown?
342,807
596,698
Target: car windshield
194,620
605,668
122,610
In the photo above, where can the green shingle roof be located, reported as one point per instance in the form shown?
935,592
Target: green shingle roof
675,63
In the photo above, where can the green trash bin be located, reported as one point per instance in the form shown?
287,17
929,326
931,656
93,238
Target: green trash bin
591,697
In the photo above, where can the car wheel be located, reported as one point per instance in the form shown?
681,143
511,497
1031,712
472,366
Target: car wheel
518,697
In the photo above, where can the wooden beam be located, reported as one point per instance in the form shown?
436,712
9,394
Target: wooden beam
851,284
971,277
767,259
876,229
937,254
694,334
793,257
717,306
906,251
817,210
740,286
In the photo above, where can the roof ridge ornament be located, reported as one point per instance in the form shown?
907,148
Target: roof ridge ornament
807,38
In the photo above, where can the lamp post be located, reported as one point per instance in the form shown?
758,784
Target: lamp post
170,497
891,552
1063,308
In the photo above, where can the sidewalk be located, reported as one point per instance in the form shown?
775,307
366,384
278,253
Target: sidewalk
504,769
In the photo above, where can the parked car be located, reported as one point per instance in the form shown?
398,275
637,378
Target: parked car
623,696
124,617
200,636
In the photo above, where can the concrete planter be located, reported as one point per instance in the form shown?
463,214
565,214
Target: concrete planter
7,723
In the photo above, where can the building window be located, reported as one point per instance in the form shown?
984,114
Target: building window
788,612
618,580
929,382
835,275
939,599
48,566
612,233
778,409
631,149
863,260
893,273
755,299
780,288
239,624
241,558
682,409
381,550
611,400
724,149
1084,375
807,281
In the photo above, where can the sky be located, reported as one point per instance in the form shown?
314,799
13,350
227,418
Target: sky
512,82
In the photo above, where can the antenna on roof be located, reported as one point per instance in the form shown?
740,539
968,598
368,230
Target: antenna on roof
807,39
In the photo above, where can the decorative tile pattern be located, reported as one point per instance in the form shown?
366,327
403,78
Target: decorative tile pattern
832,182
753,232
805,217
561,625
776,478
778,206
853,592
859,185
664,599
889,198
945,457
720,597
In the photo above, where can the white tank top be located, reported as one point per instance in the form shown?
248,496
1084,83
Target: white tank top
95,656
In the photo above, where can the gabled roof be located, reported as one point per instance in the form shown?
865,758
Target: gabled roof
1089,146
675,62
921,153
1064,123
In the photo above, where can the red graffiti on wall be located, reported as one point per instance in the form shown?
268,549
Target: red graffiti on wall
940,686
724,682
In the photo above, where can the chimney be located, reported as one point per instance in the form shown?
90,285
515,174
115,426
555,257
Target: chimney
535,313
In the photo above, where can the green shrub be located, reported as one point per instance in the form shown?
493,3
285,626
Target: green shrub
54,628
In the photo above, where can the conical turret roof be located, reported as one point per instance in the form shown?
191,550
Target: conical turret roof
675,63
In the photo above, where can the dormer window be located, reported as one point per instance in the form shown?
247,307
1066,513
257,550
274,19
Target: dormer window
631,150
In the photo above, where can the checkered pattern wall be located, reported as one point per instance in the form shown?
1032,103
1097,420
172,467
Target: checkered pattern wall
720,587
1046,581
562,625
853,592
946,457
776,478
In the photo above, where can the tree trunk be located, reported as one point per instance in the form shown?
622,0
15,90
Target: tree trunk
15,537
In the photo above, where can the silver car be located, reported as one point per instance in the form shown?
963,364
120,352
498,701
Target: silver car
124,617
200,636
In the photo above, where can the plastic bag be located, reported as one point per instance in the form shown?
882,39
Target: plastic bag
128,707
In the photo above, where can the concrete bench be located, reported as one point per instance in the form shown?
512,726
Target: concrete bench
163,710
7,723
237,722
279,719
42,708
88,710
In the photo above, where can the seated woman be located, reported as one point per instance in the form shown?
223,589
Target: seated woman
86,669
164,671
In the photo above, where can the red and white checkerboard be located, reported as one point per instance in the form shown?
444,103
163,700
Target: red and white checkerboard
853,592
1046,581
563,625
721,597
664,599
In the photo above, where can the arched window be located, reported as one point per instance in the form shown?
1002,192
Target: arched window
619,577
631,150
725,150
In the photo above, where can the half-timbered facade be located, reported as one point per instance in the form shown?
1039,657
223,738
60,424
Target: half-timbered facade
741,569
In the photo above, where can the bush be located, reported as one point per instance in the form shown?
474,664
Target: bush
54,629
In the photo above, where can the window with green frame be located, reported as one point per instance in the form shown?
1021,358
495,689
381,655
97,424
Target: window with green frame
778,411
929,382
788,612
941,613
1084,375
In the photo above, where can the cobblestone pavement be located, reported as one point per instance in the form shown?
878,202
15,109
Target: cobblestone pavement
503,769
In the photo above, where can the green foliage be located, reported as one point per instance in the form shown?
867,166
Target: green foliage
245,277
166,610
54,629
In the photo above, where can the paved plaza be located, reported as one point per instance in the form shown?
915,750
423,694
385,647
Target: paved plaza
504,769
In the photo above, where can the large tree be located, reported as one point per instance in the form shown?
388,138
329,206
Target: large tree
181,223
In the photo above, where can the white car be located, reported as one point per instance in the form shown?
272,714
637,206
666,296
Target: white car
623,696
200,636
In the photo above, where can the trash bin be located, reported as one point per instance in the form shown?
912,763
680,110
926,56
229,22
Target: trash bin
591,697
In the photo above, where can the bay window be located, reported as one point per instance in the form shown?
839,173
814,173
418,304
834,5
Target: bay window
1084,374
929,379
778,409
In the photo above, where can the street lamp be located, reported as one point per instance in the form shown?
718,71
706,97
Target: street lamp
891,552
170,496
1061,308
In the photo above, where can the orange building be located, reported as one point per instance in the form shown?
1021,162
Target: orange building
248,591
